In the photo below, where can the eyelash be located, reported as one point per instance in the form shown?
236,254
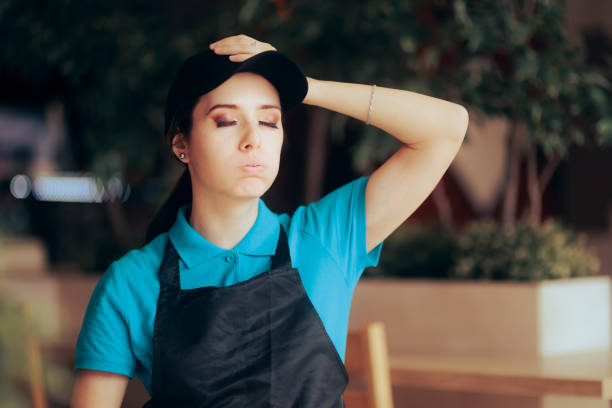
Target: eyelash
261,122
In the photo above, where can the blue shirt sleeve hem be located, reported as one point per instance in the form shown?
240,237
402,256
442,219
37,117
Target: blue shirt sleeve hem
370,258
90,363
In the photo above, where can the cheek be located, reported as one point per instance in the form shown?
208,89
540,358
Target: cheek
206,145
277,144
205,157
276,154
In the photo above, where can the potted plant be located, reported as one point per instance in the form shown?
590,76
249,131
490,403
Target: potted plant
516,284
523,290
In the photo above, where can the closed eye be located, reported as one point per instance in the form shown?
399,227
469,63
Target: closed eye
268,124
226,123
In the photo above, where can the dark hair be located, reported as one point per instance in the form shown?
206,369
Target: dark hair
182,122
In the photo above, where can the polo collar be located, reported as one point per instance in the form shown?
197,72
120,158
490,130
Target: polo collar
194,249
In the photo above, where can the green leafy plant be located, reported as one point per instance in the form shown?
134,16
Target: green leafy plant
488,251
417,251
523,252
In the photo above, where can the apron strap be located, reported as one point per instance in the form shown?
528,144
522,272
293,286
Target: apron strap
282,257
169,277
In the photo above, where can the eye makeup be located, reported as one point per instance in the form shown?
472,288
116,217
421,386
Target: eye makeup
269,124
226,123
225,120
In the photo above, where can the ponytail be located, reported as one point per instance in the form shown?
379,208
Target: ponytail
179,122
166,216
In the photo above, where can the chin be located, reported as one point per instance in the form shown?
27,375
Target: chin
253,188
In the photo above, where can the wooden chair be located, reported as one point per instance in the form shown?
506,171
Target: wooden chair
21,354
367,364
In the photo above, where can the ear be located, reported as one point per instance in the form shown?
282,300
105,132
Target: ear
180,145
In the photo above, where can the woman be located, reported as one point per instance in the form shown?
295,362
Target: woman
231,304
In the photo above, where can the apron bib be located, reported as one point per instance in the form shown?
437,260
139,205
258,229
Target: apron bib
258,343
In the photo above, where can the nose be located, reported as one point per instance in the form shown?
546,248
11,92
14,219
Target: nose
251,139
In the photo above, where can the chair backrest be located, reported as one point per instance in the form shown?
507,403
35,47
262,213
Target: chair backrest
367,363
21,356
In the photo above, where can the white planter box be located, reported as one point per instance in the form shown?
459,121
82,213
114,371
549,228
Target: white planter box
528,319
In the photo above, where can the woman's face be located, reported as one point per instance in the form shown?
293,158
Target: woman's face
236,138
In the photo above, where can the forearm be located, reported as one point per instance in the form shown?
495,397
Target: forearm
412,118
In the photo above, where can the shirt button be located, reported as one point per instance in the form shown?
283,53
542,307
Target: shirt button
230,258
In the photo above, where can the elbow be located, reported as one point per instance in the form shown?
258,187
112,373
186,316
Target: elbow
461,123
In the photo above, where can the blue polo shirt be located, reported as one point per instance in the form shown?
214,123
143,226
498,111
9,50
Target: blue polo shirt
327,244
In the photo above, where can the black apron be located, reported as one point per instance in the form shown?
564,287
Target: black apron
258,343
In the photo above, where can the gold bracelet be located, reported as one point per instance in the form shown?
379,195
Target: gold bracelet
371,104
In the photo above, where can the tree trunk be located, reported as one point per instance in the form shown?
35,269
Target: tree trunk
549,170
316,154
542,182
443,205
534,212
513,180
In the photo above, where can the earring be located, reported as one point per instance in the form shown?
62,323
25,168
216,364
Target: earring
181,156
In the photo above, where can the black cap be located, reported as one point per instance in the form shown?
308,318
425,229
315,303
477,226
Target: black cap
205,71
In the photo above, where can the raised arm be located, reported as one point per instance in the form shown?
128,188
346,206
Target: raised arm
431,130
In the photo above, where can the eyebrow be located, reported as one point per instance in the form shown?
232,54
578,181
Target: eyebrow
230,106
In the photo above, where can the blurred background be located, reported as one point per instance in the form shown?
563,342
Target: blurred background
84,166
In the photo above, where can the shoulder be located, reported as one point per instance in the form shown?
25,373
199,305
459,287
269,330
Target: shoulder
339,197
332,228
146,258
328,220
333,210
137,269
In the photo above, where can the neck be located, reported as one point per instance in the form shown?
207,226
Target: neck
222,221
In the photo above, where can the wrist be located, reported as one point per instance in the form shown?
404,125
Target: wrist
312,88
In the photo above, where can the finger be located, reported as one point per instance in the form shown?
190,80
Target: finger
243,49
235,49
240,57
233,40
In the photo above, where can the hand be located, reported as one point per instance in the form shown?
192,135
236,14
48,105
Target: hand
240,47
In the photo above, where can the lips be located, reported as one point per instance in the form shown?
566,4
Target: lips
252,168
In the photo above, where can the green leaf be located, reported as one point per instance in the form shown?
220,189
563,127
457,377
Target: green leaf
461,13
553,82
518,33
527,68
475,39
407,44
536,112
431,58
247,12
604,130
599,99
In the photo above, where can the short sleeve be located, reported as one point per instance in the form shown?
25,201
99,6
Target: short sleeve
338,220
104,340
